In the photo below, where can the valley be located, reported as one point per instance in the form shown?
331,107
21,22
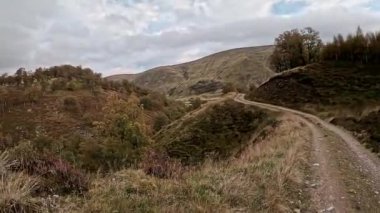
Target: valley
292,127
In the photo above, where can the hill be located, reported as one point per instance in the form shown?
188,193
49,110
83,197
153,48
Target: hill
345,93
326,85
93,122
121,77
65,132
242,67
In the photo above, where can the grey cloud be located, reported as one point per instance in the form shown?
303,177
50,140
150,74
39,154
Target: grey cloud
51,32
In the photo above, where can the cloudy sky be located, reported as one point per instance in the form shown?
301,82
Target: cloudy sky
129,36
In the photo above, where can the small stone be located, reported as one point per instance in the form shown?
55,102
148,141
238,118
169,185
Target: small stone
297,210
330,209
376,192
316,164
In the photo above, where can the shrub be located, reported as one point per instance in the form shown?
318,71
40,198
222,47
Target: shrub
43,143
58,84
229,87
33,94
119,144
73,85
150,104
57,175
71,104
160,121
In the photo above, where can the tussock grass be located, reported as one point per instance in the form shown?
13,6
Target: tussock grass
16,190
266,177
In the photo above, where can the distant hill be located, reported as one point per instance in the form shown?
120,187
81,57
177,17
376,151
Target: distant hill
242,67
129,77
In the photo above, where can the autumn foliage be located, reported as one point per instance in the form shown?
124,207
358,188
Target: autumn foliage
356,48
296,48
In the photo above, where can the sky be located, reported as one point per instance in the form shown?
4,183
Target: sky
130,36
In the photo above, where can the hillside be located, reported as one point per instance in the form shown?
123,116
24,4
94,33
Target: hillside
242,67
64,132
72,114
326,85
66,135
121,77
345,93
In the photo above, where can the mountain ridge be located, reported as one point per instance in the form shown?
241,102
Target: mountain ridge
242,67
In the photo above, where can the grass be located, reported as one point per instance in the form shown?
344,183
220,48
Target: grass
16,190
266,177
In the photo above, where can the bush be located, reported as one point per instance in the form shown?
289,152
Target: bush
58,84
160,121
229,87
119,144
150,104
71,104
73,86
57,175
33,94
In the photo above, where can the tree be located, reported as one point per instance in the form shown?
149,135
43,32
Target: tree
3,79
312,45
19,75
296,48
229,87
356,48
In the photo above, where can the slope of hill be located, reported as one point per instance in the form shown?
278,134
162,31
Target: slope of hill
242,67
121,77
64,131
343,93
70,113
324,85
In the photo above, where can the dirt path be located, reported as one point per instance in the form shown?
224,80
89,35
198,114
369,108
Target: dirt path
345,176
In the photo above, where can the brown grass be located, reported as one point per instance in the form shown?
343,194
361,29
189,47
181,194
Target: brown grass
16,190
267,177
